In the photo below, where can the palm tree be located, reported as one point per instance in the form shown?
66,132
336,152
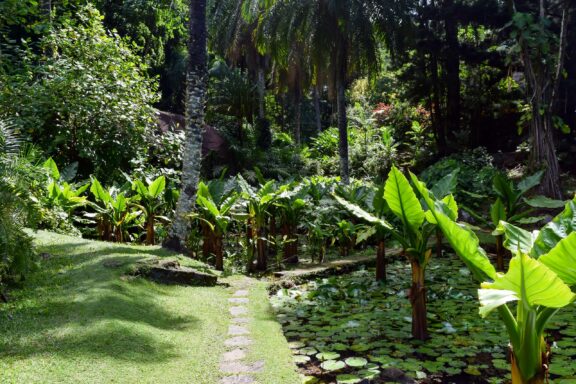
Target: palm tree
196,78
232,25
338,39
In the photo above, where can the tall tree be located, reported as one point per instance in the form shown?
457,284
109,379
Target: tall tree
541,30
196,84
338,38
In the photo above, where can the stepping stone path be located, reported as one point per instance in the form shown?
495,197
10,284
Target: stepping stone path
233,363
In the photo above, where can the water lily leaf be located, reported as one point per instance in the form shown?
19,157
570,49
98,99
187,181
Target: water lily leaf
356,362
323,356
333,365
301,359
308,351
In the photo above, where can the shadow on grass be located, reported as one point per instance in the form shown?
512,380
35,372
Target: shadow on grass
76,306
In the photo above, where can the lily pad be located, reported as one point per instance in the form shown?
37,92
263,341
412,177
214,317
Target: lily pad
356,362
333,365
323,356
301,359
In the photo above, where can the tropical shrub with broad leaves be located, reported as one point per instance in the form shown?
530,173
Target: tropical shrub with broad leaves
215,200
514,207
539,280
416,227
149,198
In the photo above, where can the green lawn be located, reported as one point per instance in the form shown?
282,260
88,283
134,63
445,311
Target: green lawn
79,321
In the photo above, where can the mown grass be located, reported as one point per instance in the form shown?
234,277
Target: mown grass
77,320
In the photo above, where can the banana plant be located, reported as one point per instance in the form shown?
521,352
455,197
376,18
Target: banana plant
290,203
149,199
215,201
413,234
257,205
512,206
539,280
61,194
113,212
345,234
377,207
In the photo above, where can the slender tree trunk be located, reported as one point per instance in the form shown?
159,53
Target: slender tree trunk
262,258
418,301
342,131
298,119
261,83
150,234
219,251
381,261
196,79
317,111
250,249
438,243
452,59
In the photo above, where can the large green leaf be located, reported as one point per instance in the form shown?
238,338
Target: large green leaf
562,259
464,242
157,187
490,299
533,283
99,192
446,185
208,205
362,214
530,182
560,227
497,212
516,239
140,188
52,168
402,200
544,202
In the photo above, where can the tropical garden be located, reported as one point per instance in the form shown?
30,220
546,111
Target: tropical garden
287,191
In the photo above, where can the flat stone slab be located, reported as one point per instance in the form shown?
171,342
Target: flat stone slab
239,300
238,341
239,310
239,379
241,292
237,330
239,367
236,354
240,320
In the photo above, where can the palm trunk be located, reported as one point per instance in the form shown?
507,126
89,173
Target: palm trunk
196,79
261,84
342,131
150,233
381,261
317,112
298,119
418,301
452,58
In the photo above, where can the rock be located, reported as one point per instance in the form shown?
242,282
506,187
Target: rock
240,379
171,272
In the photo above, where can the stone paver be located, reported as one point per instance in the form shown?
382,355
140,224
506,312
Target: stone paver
239,300
241,292
240,320
239,367
240,379
233,362
238,341
237,330
235,354
238,310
